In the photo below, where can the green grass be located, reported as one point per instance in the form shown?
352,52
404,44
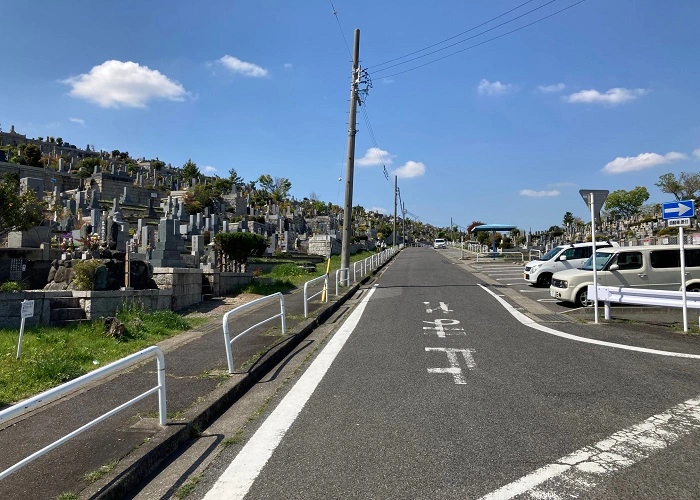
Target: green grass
237,438
54,355
93,476
187,488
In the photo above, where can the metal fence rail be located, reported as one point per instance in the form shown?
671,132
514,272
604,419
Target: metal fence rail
323,278
57,392
511,256
354,270
346,279
227,338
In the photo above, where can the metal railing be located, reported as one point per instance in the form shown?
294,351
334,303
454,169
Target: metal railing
354,271
511,256
323,278
535,252
227,338
52,394
346,272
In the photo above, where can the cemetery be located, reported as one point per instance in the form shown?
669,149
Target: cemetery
122,233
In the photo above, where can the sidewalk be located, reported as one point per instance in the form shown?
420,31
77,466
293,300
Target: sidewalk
130,445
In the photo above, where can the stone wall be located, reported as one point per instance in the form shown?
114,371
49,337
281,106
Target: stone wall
112,186
230,281
29,265
11,307
185,284
63,181
103,304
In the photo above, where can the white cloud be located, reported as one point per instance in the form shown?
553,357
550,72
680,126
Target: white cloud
374,157
643,161
288,65
549,89
612,97
209,169
410,169
244,68
486,87
77,120
379,210
116,83
696,153
538,194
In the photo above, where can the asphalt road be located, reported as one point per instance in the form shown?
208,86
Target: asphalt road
439,391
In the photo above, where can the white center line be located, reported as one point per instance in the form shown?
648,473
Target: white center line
245,468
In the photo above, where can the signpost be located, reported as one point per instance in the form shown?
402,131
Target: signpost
673,213
594,198
26,312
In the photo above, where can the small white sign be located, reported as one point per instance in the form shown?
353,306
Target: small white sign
685,222
27,309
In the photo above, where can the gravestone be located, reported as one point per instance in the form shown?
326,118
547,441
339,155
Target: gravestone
32,184
125,198
150,212
147,238
169,245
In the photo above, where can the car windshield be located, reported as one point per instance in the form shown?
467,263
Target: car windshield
551,254
601,259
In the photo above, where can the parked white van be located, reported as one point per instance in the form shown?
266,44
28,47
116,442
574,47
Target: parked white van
649,266
570,256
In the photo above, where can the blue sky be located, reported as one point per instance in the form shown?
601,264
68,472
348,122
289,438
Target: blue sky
601,96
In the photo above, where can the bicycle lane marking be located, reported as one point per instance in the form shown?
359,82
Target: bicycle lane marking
239,476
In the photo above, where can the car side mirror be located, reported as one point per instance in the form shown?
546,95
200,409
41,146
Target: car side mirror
614,267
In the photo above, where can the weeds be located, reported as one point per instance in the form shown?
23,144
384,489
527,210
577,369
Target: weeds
93,476
187,488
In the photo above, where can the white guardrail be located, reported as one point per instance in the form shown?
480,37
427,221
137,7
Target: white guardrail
323,278
46,397
227,338
643,297
354,271
514,256
345,278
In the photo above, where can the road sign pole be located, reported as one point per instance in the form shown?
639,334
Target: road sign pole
21,334
683,292
595,271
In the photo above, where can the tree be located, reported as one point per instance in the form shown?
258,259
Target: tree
568,219
190,171
32,155
235,178
686,187
59,141
89,164
18,212
623,204
276,189
471,226
238,247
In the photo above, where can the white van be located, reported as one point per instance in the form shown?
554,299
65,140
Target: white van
570,256
649,266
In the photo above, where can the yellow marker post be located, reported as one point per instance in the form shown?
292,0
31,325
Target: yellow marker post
328,270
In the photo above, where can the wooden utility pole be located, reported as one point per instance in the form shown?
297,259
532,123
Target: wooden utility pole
349,171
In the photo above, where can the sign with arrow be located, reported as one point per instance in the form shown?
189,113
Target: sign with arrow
676,209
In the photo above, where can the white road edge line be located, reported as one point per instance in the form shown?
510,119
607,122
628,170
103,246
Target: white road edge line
533,324
582,470
239,476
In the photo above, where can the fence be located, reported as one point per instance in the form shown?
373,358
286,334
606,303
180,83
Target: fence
227,338
503,256
345,271
354,271
51,395
323,278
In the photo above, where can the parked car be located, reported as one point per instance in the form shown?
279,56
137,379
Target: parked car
571,256
439,243
649,266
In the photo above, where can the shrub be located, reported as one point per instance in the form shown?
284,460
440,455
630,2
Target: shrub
84,274
11,287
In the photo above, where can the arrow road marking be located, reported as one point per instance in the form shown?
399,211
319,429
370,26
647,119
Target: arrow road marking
453,359
571,476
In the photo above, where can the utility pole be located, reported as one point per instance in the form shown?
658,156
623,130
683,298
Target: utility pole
347,215
396,192
403,222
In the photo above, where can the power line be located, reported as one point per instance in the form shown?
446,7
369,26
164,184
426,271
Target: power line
484,42
466,39
335,13
452,37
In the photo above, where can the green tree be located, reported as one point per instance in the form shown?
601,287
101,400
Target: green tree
235,178
190,171
623,204
59,141
686,187
568,219
88,165
18,212
276,189
197,197
32,155
239,247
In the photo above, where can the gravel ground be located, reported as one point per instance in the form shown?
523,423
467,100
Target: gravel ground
218,306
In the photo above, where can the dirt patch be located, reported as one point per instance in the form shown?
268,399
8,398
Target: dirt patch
218,306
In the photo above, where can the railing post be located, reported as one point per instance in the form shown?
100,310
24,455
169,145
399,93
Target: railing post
162,407
607,309
284,316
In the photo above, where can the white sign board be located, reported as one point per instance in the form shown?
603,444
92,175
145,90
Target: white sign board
27,309
684,222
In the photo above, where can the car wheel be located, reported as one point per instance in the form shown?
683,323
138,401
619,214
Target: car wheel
544,280
582,297
695,287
